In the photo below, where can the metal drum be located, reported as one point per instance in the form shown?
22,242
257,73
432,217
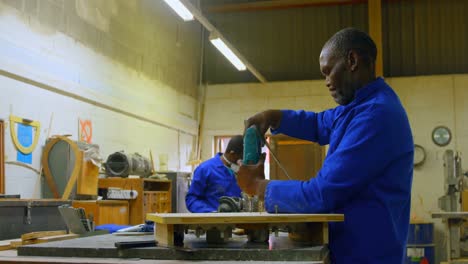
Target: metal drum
420,247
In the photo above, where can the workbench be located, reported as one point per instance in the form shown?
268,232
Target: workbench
20,216
170,227
278,249
280,245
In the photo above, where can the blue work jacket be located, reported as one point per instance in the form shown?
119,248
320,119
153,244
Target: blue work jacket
366,175
211,180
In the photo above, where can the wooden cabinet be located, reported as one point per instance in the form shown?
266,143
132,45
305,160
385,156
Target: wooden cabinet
105,211
154,196
302,159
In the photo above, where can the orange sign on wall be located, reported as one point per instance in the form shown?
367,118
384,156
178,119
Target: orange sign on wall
85,130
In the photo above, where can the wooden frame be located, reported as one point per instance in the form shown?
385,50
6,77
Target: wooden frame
35,124
167,224
2,157
75,172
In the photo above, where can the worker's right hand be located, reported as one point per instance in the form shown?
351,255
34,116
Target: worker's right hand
251,178
264,120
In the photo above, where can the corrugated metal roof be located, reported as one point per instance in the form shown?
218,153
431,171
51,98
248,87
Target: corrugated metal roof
419,37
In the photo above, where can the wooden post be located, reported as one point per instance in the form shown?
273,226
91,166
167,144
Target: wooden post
2,157
374,8
164,234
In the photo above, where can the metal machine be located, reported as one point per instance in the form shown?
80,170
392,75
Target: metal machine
120,164
454,182
457,231
253,143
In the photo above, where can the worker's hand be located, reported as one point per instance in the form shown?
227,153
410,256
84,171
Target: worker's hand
251,178
265,120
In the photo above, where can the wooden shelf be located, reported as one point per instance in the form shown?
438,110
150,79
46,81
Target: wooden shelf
153,195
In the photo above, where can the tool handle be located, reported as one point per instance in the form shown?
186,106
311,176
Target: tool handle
252,145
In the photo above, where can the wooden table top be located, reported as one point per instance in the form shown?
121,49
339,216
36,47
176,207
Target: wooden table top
240,218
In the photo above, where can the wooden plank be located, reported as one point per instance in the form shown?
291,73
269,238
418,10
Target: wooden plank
39,234
54,238
13,244
87,183
375,31
17,243
239,218
6,244
74,176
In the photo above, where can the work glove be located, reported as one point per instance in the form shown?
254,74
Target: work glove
249,177
264,120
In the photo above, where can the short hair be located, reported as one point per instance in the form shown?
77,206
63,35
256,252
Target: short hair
349,39
236,144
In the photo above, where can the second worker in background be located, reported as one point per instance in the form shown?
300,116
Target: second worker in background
215,178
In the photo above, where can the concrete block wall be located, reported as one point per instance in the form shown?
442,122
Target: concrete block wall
132,67
227,105
429,101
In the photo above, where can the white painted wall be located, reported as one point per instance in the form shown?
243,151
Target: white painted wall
45,71
429,101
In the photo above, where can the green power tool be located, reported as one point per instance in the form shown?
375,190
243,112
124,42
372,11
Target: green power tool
253,143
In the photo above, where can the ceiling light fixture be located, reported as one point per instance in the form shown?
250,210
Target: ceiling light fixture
180,9
227,52
188,11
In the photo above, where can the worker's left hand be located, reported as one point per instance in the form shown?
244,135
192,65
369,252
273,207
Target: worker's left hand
251,178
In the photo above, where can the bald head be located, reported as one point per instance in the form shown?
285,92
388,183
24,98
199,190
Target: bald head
349,39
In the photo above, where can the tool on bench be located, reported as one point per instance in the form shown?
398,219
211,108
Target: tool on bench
253,143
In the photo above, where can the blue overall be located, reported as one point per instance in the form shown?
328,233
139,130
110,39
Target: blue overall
366,175
211,180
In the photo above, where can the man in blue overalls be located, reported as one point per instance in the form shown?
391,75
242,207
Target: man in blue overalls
215,178
367,173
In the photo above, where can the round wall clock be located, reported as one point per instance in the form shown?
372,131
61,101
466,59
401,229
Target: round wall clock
441,136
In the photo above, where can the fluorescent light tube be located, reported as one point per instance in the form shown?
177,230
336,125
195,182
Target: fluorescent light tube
227,52
180,9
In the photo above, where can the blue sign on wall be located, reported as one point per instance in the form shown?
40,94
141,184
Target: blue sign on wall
25,138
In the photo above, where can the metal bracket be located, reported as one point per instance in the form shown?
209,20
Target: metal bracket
27,219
